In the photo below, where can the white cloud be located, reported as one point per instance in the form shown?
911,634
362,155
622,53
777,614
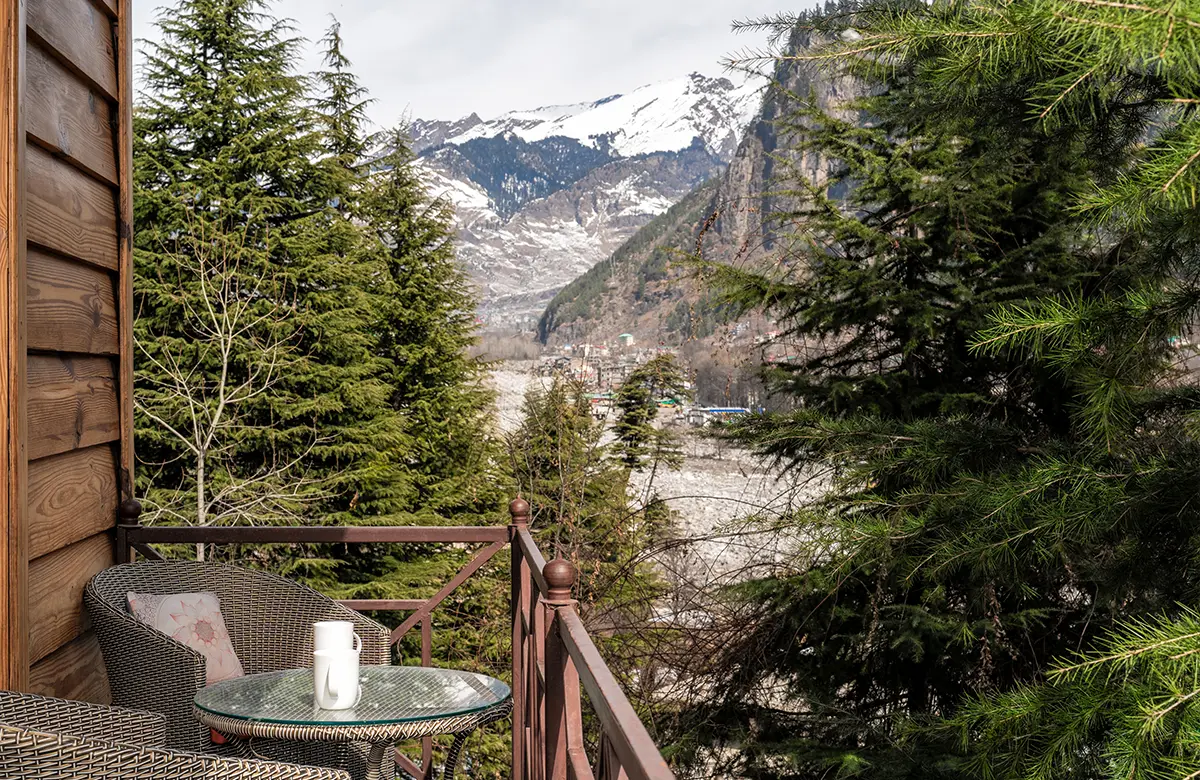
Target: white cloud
447,58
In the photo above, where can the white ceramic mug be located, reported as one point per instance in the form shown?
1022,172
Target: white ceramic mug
336,635
335,679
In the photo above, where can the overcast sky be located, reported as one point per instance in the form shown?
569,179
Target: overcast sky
442,59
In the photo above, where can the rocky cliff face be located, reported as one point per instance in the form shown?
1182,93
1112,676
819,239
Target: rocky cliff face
543,195
642,288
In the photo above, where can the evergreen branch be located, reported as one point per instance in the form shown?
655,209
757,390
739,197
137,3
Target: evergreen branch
1062,96
1187,164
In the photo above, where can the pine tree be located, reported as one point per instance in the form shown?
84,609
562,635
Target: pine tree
978,524
341,107
641,443
581,510
337,268
210,168
428,325
1122,77
226,135
1123,710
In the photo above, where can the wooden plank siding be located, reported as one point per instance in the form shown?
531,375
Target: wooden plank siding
70,306
70,672
80,34
67,117
71,498
68,211
56,581
72,403
69,445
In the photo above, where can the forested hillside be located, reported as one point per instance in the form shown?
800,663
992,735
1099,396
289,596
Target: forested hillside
640,265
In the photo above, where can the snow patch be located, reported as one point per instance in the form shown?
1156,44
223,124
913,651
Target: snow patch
667,116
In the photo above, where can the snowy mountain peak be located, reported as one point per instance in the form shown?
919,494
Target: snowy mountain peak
667,116
543,194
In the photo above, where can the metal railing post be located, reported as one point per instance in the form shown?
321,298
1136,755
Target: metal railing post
562,681
129,512
518,510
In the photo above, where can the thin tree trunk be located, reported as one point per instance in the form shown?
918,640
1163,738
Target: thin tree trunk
201,515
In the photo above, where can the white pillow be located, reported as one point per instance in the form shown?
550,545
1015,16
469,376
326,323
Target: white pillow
195,620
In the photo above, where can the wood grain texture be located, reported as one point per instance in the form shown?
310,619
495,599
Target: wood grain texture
72,404
68,211
56,581
65,115
71,307
71,497
80,35
125,232
73,671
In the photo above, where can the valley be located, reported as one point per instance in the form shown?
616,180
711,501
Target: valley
718,496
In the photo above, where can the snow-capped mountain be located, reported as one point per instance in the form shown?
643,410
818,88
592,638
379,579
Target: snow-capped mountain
543,195
663,117
636,292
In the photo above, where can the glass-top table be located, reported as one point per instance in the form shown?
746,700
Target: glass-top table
396,703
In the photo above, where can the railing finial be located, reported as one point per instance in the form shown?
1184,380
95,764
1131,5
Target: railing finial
560,576
129,511
518,508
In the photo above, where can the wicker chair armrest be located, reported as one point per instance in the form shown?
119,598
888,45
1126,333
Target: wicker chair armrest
149,670
82,719
37,754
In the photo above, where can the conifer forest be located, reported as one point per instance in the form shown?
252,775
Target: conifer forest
983,259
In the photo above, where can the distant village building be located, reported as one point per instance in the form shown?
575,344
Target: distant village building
708,415
591,350
625,340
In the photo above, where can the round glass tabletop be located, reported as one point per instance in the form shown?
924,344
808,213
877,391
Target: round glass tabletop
390,694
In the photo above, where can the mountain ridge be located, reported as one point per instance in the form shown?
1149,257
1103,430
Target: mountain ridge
653,297
544,194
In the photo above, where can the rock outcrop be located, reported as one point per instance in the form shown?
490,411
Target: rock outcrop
642,288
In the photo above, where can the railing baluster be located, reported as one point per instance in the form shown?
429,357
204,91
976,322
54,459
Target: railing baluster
561,678
538,613
427,660
519,512
608,765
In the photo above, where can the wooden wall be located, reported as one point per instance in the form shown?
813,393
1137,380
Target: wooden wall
67,357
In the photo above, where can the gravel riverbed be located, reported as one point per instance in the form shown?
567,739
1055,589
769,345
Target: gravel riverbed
714,495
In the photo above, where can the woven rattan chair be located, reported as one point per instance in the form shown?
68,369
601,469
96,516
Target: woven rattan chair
43,738
269,621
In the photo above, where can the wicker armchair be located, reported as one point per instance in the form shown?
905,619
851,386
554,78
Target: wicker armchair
268,618
44,738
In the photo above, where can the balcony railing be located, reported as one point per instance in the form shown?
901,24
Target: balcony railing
553,657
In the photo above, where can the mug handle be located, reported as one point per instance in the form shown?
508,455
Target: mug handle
340,678
357,643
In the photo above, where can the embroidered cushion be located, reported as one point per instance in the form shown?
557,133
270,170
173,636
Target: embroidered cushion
195,620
